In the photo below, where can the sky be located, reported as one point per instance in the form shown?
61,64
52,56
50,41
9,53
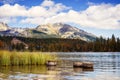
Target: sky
100,17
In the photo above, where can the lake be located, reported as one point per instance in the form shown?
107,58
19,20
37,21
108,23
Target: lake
106,67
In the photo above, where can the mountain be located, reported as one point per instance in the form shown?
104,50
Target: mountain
3,26
8,31
57,30
65,31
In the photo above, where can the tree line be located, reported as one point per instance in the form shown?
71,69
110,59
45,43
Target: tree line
104,45
61,45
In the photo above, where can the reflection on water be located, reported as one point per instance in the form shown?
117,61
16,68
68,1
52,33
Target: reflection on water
78,70
28,72
106,67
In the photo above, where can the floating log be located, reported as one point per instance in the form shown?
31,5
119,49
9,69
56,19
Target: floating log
51,63
83,64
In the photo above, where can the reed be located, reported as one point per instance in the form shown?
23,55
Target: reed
24,58
4,58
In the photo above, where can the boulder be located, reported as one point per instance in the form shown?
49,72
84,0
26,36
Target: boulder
83,64
51,63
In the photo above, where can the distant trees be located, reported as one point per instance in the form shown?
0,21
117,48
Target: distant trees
19,47
104,45
1,44
61,45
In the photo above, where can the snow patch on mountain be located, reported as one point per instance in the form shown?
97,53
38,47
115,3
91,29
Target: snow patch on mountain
66,31
3,26
57,30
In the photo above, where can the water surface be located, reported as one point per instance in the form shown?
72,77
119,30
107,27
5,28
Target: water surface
106,67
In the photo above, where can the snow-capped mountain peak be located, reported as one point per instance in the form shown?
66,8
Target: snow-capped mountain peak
3,26
66,31
57,30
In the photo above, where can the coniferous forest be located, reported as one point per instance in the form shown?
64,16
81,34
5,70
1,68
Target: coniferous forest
60,45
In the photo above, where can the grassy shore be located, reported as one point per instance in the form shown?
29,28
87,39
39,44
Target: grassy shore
24,58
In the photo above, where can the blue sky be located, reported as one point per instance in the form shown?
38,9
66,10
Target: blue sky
100,17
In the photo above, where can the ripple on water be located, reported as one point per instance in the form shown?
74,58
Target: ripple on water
106,67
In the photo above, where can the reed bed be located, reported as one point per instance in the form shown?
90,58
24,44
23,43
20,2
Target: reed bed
24,58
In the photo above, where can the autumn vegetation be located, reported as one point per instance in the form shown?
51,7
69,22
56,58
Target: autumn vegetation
61,45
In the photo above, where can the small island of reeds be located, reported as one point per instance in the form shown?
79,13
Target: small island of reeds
13,58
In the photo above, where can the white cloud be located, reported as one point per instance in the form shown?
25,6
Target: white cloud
47,3
104,16
36,11
35,20
7,19
12,11
8,10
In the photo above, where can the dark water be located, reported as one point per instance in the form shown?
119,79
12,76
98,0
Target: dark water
106,67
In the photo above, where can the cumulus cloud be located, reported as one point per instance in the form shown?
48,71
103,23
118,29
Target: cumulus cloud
8,10
35,20
12,11
7,19
47,3
103,16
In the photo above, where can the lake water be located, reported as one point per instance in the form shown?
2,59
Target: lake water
106,67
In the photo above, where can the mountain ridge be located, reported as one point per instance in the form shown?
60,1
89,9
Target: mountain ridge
56,30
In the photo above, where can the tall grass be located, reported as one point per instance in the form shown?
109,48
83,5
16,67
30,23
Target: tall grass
24,58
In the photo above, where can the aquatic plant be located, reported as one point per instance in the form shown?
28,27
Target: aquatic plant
24,58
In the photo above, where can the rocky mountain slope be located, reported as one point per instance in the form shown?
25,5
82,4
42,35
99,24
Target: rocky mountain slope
57,30
3,26
65,31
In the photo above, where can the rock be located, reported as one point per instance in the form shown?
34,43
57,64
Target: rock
83,64
77,64
51,63
88,64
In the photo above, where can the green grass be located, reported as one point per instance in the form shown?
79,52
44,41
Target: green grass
24,58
